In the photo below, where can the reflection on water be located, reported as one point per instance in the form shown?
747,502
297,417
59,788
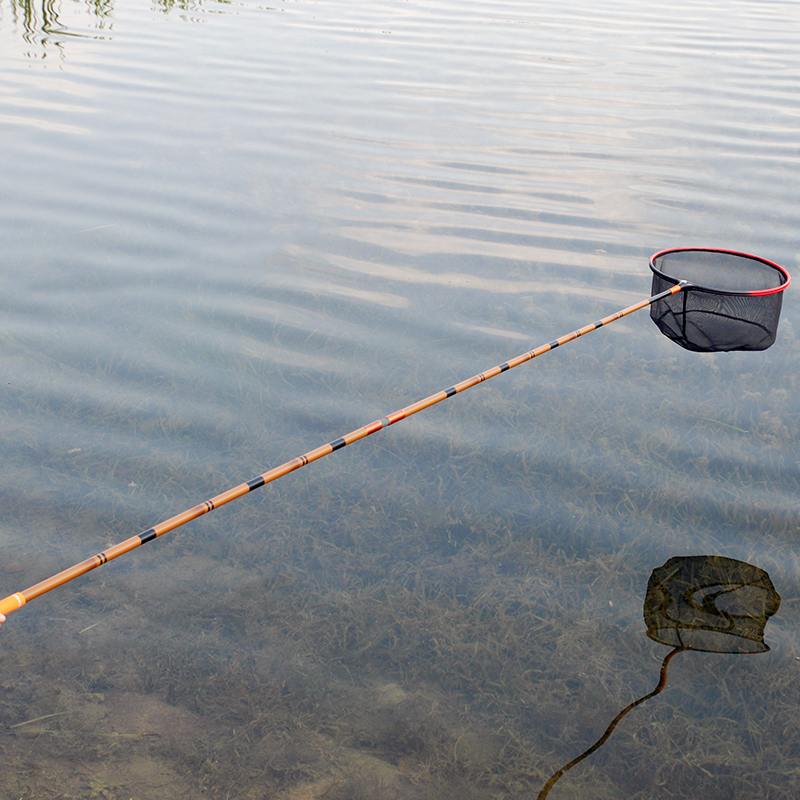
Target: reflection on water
50,22
711,604
44,23
227,243
704,603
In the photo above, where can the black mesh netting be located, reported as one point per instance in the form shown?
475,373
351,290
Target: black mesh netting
733,303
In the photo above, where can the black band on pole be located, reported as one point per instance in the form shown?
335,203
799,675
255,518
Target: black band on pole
148,536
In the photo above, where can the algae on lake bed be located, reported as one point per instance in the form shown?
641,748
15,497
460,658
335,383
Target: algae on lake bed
447,612
353,642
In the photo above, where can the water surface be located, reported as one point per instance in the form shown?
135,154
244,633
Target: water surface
232,232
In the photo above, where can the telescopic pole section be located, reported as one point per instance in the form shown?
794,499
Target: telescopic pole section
18,599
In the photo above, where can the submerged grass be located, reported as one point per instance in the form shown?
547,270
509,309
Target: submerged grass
453,610
453,656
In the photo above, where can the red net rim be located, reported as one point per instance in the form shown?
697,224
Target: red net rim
756,293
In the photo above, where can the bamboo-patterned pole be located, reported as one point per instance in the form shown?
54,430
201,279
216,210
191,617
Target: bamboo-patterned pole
18,599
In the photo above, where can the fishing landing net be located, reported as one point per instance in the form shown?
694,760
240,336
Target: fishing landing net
732,301
703,299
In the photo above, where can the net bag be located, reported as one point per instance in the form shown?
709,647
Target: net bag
732,301
710,603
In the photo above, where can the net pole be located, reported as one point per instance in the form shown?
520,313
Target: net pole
15,601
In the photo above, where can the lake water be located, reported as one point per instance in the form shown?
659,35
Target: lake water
233,232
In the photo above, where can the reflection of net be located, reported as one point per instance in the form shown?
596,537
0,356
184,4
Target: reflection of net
710,603
733,303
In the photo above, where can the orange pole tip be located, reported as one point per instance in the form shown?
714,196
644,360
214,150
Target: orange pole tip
11,603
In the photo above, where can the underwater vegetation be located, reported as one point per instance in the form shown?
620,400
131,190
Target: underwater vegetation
454,610
338,638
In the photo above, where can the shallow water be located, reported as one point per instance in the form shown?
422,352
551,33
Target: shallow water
233,232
